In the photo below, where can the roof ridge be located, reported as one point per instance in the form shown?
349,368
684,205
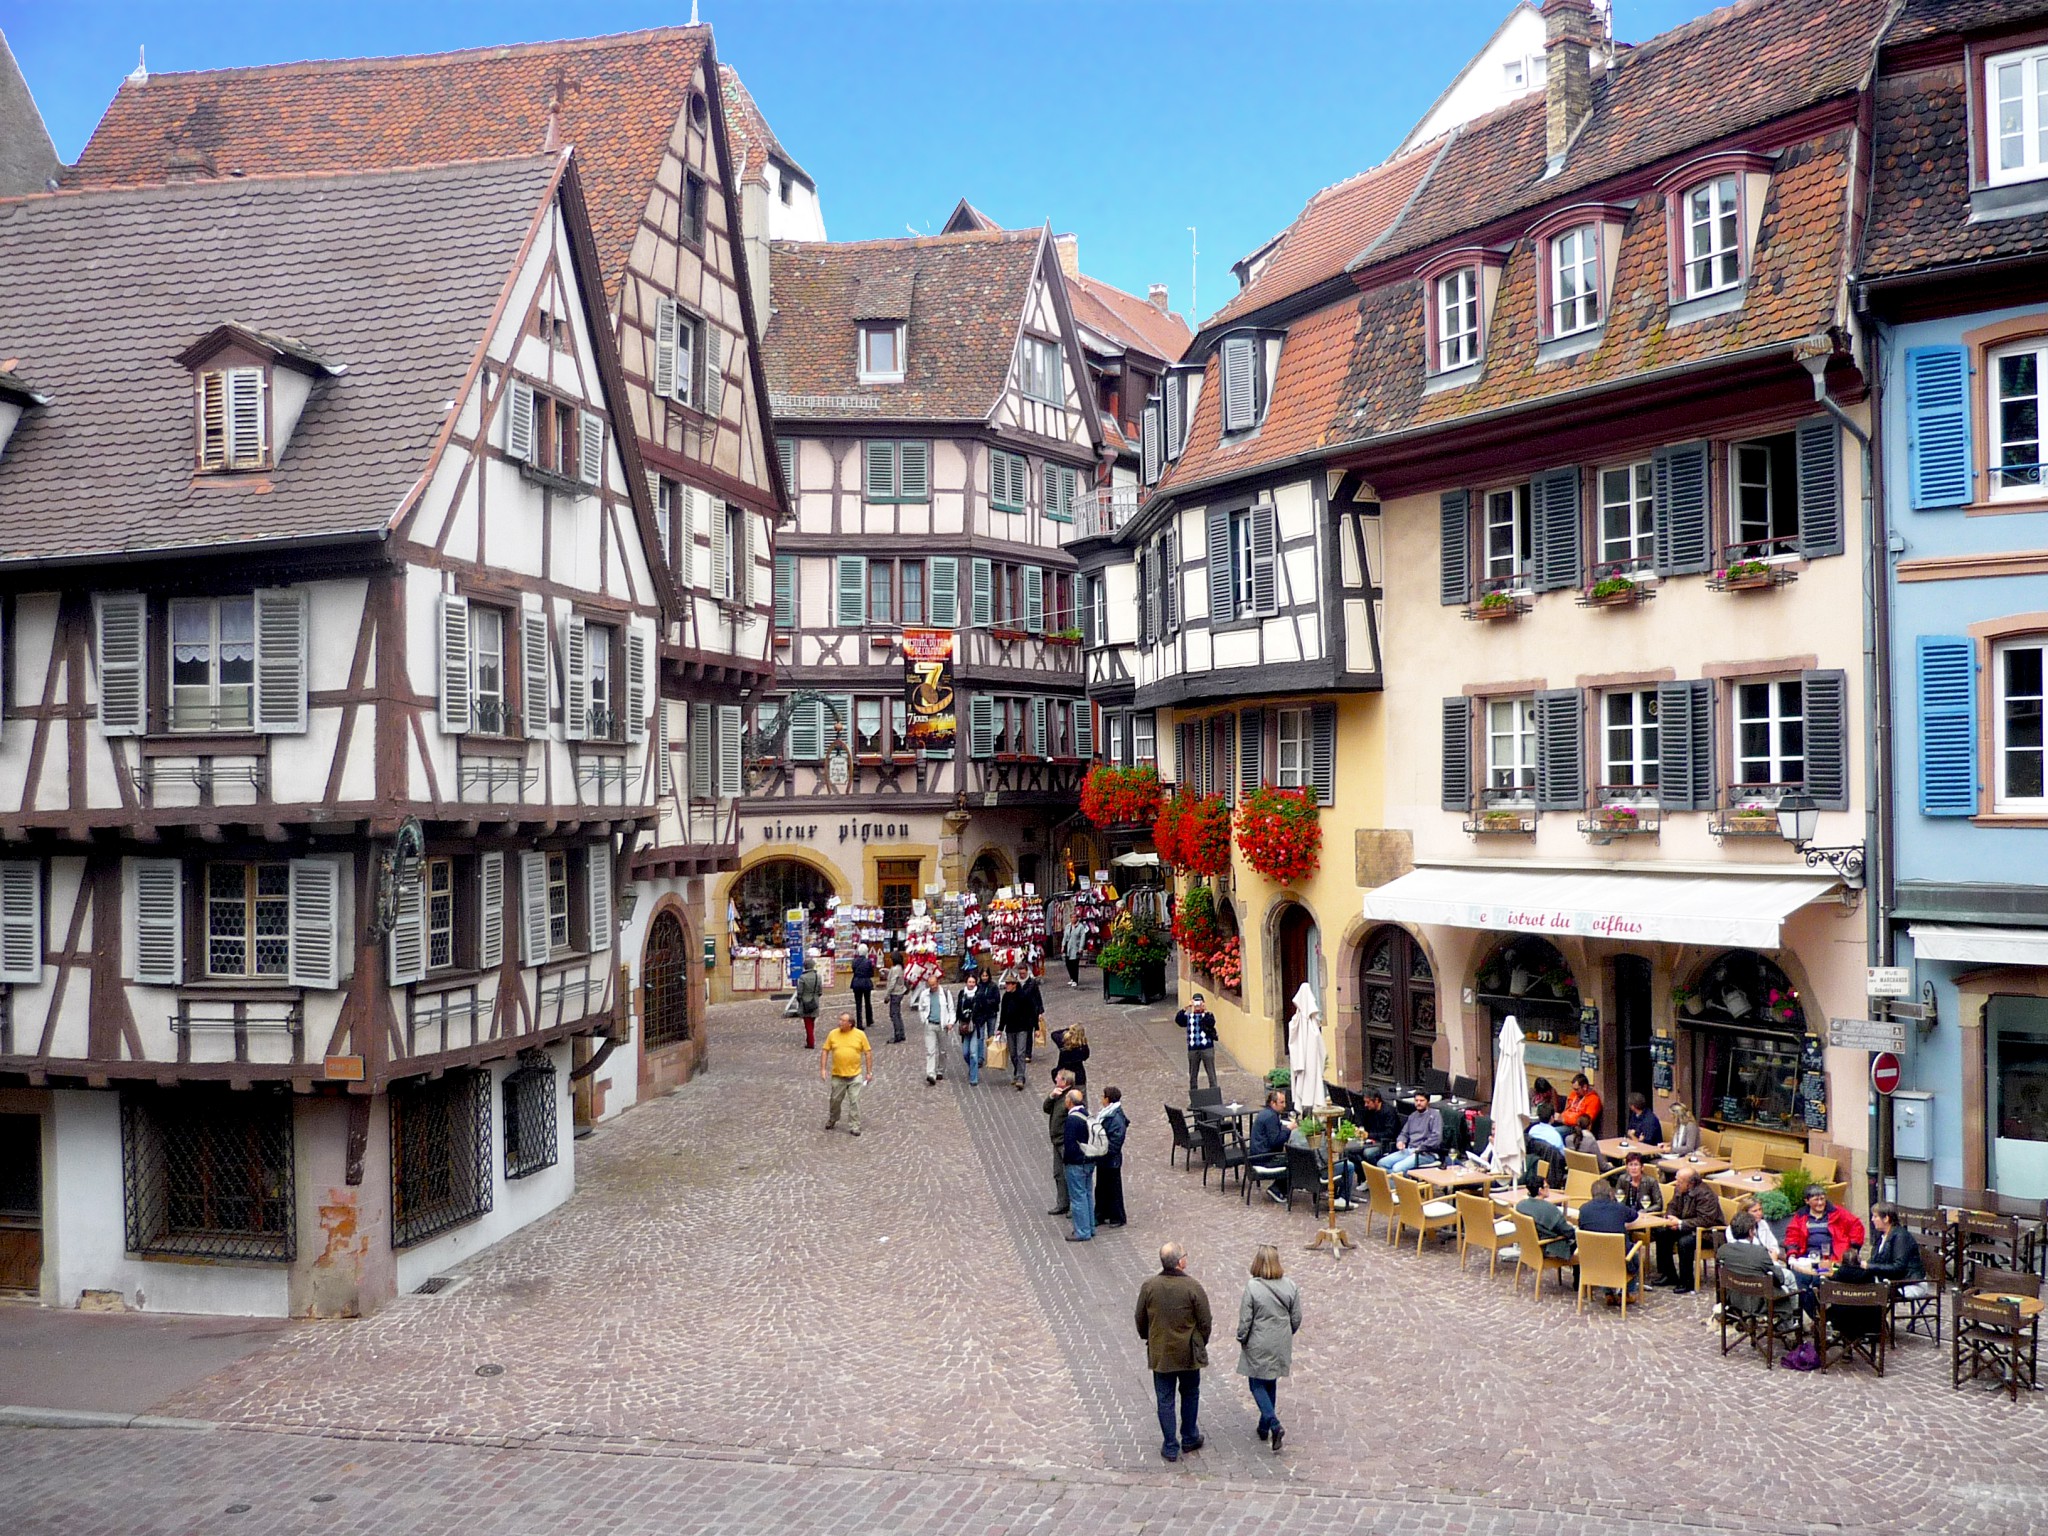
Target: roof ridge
265,178
911,242
420,60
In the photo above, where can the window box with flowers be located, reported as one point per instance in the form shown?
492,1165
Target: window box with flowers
1280,834
1003,632
1192,833
1068,637
1498,605
1121,797
1616,586
1751,576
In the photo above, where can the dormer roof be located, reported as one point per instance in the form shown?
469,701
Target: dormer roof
268,345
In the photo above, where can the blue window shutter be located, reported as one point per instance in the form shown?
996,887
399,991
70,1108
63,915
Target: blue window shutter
1948,725
1938,468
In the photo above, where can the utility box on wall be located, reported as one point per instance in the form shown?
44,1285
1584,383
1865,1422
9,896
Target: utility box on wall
1913,1147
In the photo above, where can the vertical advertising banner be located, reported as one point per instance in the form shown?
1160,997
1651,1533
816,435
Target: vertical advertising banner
928,686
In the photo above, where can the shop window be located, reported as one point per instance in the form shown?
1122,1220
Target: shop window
440,1154
207,1174
1750,1031
2018,1080
1528,977
768,891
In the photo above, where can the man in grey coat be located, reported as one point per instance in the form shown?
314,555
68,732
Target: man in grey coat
1173,1320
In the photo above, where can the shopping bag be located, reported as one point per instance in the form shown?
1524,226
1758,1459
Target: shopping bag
1038,1036
998,1054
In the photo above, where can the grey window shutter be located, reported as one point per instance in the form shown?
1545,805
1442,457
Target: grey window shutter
21,922
982,612
665,327
313,907
636,685
1820,488
1240,388
1557,530
533,673
406,946
519,442
1144,572
1084,728
1221,589
598,887
1169,579
281,660
123,635
701,752
914,471
1826,696
1223,755
1038,728
1251,749
590,448
575,679
881,471
1322,753
1148,441
684,508
533,908
744,558
1454,511
1684,538
1457,775
159,922
730,772
664,764
785,591
981,726
721,555
1175,425
850,610
714,370
1560,750
1685,746
490,913
785,450
455,680
1265,559
945,599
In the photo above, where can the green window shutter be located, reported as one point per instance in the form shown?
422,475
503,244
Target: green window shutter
1322,753
982,612
981,726
914,471
785,591
851,583
785,451
881,471
1034,601
945,598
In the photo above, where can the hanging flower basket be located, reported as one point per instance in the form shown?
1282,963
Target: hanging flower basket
1121,797
1192,833
1280,834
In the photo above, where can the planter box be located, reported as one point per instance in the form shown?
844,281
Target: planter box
1747,583
1148,986
1497,611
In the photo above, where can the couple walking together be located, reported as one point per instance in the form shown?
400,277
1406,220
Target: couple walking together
1173,1320
980,1009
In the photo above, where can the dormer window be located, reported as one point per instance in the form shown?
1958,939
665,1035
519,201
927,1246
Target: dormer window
2016,110
881,352
1457,319
1243,365
1576,249
248,388
231,419
1459,288
1713,241
1575,280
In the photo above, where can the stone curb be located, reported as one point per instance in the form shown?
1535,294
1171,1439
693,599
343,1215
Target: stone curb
18,1417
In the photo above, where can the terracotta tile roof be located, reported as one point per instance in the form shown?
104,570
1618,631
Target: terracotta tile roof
1793,288
393,275
1733,69
1129,319
1337,226
619,100
1935,18
967,301
753,141
1920,182
1308,388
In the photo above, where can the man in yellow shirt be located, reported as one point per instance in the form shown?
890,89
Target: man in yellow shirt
845,1063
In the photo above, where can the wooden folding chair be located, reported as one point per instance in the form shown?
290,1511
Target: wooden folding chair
1837,1322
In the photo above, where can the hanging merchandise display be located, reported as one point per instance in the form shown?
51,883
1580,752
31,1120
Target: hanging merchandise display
921,965
973,935
1088,907
1016,926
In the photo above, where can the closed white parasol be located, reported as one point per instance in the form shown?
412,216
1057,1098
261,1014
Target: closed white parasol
1510,1101
1305,1051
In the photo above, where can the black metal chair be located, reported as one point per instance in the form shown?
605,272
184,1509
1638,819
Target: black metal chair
1218,1154
1267,1172
1751,1308
1436,1083
1183,1138
1854,1319
1205,1098
1305,1177
1465,1088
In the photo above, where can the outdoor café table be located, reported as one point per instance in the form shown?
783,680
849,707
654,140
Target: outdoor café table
1233,1118
1449,1181
1751,1181
1616,1148
1699,1162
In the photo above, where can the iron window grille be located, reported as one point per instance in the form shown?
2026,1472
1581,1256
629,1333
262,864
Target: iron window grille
440,1155
208,1175
665,981
530,1116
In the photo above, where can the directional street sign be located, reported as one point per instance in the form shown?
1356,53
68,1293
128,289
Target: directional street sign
1867,1034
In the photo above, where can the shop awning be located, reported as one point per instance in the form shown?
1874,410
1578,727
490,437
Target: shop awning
1733,910
1983,945
1136,861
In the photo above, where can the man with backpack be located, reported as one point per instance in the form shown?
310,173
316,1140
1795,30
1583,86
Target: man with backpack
1084,1142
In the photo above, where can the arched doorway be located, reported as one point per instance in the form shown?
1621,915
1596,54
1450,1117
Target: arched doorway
765,893
1753,1064
1397,1016
1300,948
989,872
665,983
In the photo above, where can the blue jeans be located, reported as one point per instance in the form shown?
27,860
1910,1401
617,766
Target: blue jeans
1401,1162
1020,1052
975,1049
1265,1393
1081,1198
1189,1384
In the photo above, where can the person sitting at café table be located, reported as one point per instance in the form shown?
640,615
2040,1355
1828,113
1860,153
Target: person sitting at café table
1692,1206
1268,1145
1545,1146
1605,1213
1542,1096
1544,1129
1381,1126
1743,1254
1854,1322
1817,1238
1636,1189
1421,1142
1766,1235
1685,1134
1643,1124
1895,1256
1580,1138
1554,1230
1582,1108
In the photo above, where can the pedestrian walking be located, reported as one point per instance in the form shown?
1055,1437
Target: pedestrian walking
1173,1320
935,1005
1081,1144
1073,1047
1109,1173
1055,1107
969,1008
1014,1013
846,1064
1073,945
898,989
1268,1318
810,990
1200,1025
1035,999
864,988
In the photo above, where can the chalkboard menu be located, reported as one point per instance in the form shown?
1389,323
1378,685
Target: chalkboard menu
1813,1083
1589,1039
1663,1052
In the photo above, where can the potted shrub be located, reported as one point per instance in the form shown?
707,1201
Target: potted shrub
1280,833
1133,961
1121,797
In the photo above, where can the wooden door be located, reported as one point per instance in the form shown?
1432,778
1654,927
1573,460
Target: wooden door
1397,1013
21,1202
1297,944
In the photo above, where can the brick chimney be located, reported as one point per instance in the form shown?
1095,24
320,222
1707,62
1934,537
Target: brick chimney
1157,294
1069,248
1570,31
185,164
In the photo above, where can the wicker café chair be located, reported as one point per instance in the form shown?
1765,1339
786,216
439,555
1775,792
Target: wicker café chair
1481,1224
1415,1207
1605,1259
1379,1199
1529,1255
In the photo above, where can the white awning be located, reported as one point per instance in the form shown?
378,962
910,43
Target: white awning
1136,861
1733,910
1986,946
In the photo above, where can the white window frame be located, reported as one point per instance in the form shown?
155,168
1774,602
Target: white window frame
1457,319
601,650
1044,378
869,331
1995,401
1761,702
2029,131
1636,733
1511,725
1630,490
560,932
483,663
248,902
1292,733
1144,737
1521,533
1711,214
213,686
1743,457
437,883
1241,584
1575,252
2001,724
1113,736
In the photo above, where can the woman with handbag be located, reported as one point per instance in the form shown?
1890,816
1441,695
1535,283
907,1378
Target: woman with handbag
966,1018
1109,1172
1268,1317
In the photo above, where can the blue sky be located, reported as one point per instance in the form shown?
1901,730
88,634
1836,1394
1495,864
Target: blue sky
1122,122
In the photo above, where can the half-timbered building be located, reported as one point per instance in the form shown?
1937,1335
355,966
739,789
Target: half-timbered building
647,115
331,601
938,431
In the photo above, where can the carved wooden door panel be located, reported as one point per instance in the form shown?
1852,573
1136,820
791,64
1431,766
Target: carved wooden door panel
1397,1013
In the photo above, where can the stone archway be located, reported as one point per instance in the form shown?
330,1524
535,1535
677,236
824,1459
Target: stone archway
665,1013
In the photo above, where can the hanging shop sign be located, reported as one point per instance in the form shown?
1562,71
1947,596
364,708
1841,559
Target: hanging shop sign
928,688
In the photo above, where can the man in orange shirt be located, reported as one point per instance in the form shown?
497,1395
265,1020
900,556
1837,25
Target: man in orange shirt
1582,1107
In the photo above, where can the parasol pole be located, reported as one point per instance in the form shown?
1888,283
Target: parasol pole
1331,1235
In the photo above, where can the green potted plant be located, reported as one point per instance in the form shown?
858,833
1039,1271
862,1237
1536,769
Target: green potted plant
1496,605
1614,591
1742,575
1793,1184
1133,961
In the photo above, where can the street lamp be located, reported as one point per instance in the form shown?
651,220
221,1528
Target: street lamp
1798,821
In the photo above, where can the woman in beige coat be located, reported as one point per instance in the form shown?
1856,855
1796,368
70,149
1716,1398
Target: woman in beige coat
1267,1319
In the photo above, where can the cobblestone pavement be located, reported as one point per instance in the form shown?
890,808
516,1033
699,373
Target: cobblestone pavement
733,1292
